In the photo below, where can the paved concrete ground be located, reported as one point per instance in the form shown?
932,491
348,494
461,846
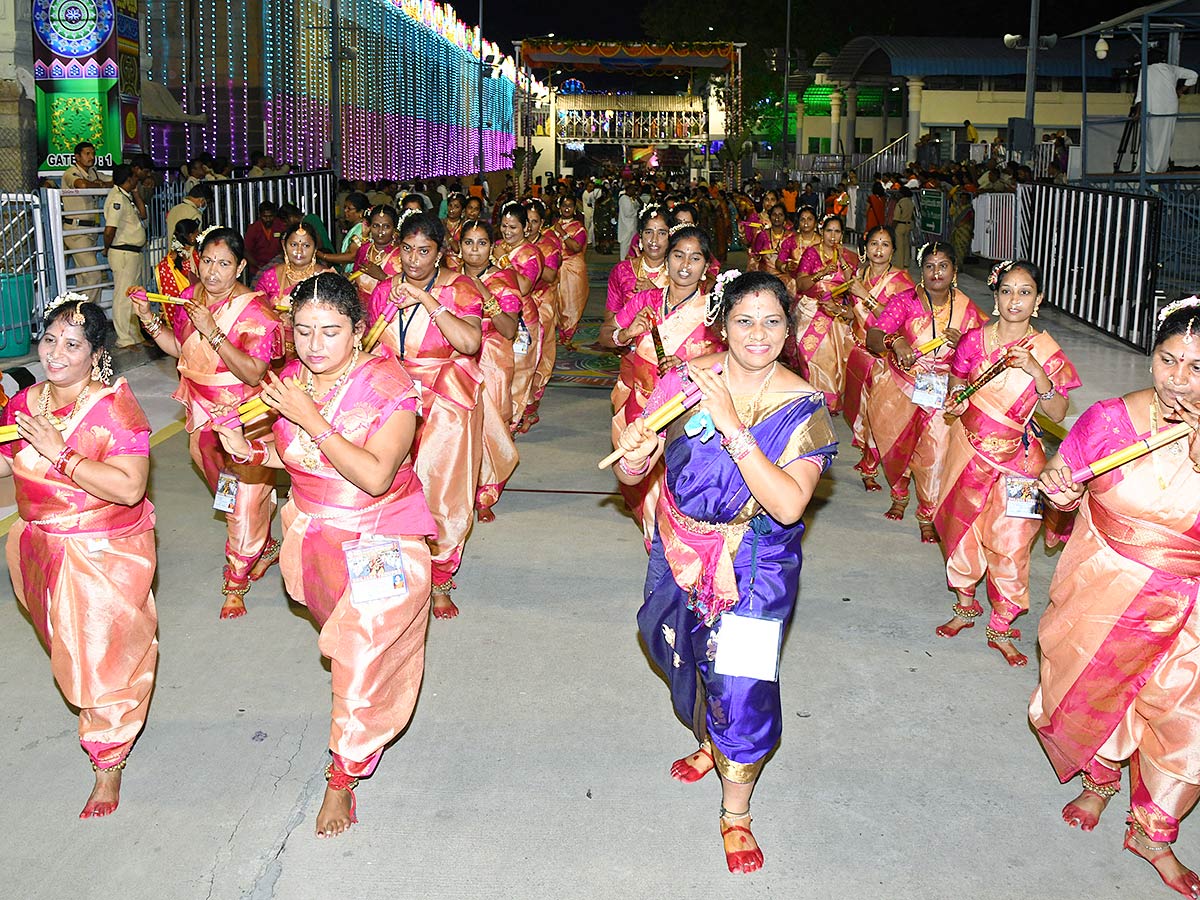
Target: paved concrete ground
536,764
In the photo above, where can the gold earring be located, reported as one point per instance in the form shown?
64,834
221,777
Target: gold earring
995,307
1035,310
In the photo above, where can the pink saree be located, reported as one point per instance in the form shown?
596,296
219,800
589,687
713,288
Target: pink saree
685,335
1120,641
823,343
572,281
448,447
993,439
546,296
208,390
624,277
82,567
525,259
497,363
388,260
376,649
912,439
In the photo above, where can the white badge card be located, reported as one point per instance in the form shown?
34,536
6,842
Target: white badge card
748,647
523,340
930,390
376,568
1022,500
227,491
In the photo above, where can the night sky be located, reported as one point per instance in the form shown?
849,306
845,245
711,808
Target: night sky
508,20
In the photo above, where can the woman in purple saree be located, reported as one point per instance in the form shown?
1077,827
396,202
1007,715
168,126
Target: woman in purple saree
726,549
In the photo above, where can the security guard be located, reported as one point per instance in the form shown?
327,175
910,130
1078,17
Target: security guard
124,238
82,174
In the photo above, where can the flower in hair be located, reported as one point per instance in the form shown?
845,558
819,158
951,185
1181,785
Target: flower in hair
1171,308
649,208
205,233
405,215
999,270
67,297
678,227
716,296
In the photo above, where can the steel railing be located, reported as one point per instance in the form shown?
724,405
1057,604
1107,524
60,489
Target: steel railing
892,158
995,234
24,278
1099,253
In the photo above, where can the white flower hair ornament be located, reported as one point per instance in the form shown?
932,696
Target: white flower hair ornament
404,216
649,208
999,270
716,297
1171,308
67,297
202,236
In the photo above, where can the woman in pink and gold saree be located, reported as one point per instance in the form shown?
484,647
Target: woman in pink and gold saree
300,243
665,327
81,553
435,331
1120,641
987,516
645,271
726,545
545,295
355,527
378,259
501,306
573,276
515,253
768,243
905,405
823,322
871,290
225,338
791,251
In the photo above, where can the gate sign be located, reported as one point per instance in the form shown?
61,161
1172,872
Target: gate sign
77,73
931,211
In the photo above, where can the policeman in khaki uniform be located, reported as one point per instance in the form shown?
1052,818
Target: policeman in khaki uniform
82,174
124,238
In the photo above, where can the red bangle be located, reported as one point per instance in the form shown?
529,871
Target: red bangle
259,454
64,459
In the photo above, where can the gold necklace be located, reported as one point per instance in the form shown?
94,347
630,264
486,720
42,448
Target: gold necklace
61,423
746,414
374,254
295,276
1002,379
310,453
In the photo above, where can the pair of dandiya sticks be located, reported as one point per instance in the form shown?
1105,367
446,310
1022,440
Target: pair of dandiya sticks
690,396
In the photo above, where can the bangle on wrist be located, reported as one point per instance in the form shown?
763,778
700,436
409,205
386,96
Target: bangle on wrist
319,439
257,454
633,473
740,444
63,459
73,463
1048,395
217,338
153,326
438,310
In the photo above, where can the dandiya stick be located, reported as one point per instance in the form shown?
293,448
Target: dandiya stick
930,345
385,318
987,374
162,298
665,415
1134,451
8,433
245,413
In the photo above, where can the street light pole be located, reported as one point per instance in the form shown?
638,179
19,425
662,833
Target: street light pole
1031,54
787,55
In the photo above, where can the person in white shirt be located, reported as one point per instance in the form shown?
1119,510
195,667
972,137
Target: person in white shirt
590,196
1162,107
627,217
80,175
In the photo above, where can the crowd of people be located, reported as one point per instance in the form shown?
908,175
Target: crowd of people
391,370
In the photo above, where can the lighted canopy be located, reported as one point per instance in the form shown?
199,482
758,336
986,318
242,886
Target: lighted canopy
630,59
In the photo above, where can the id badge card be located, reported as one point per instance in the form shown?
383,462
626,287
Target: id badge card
376,569
523,340
748,647
1022,500
227,491
930,389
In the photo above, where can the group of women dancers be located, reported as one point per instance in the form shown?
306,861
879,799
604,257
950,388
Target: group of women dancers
943,397
380,415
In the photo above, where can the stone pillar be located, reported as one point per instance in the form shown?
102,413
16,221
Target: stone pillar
835,120
851,119
18,119
915,87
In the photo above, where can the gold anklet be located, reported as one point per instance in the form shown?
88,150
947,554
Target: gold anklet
1008,636
966,612
1106,791
117,768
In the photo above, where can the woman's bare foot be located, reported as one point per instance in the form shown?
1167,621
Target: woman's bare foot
742,853
929,534
953,627
234,606
692,768
1003,641
896,510
1174,874
1084,811
443,606
870,484
105,796
485,514
336,814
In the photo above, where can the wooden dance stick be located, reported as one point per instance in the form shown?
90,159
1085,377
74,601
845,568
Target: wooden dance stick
659,350
353,275
987,374
665,414
8,433
1128,454
930,345
247,412
385,319
161,298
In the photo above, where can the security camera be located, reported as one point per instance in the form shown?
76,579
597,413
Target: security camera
1012,41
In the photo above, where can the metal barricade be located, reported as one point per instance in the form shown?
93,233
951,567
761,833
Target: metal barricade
62,225
235,201
1179,273
892,158
24,279
1098,251
995,225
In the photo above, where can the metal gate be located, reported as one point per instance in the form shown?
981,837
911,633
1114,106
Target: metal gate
1098,251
